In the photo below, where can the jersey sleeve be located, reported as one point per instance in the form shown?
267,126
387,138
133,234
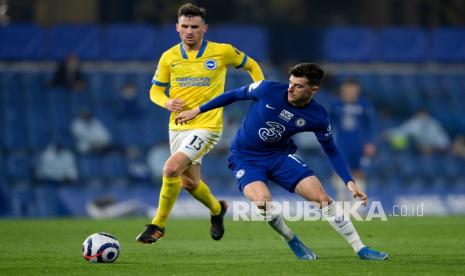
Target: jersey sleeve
162,74
323,132
234,57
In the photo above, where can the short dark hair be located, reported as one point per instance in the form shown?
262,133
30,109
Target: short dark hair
313,72
350,81
190,10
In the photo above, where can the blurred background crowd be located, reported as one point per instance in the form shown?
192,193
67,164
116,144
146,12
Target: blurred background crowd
77,124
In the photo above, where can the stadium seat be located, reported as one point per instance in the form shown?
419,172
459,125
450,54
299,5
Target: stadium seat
448,44
350,44
113,166
401,44
131,42
170,38
251,39
83,40
23,202
22,42
89,167
48,202
18,166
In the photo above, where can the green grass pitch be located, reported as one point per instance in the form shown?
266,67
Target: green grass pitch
421,245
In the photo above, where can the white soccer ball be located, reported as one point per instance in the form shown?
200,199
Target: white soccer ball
100,248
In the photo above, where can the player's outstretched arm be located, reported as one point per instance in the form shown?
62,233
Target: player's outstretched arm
185,116
357,192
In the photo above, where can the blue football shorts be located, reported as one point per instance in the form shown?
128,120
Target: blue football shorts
284,169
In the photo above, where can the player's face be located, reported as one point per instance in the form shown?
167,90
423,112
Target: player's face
300,91
191,30
350,92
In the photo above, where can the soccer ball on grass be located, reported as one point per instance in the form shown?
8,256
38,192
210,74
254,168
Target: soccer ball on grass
100,248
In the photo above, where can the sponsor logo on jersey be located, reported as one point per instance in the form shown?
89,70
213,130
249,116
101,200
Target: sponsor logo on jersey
272,133
300,122
286,115
210,64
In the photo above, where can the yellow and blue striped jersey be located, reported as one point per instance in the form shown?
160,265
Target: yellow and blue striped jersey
196,77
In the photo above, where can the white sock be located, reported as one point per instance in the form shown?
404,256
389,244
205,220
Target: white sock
277,223
342,224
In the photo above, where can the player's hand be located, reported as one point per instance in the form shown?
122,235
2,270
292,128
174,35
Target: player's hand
185,116
357,192
174,105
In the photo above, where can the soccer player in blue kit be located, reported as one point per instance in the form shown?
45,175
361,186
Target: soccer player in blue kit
263,150
353,122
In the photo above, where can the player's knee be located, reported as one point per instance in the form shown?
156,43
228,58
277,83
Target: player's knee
323,198
171,170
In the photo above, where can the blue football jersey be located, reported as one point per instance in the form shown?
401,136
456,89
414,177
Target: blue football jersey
271,121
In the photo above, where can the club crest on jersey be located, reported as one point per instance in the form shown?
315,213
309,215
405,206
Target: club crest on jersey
210,64
300,122
286,115
240,173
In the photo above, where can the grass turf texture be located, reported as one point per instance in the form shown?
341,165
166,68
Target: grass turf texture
424,245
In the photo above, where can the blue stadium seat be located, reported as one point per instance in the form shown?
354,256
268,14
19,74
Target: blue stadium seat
113,166
448,44
253,40
5,198
14,128
131,42
48,202
402,44
350,44
170,38
83,40
90,167
97,88
2,168
38,134
129,133
22,41
22,200
18,166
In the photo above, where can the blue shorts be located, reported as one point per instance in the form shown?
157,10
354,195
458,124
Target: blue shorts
284,169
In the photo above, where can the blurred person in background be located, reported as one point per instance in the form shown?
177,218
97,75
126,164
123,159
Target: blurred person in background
353,122
68,74
90,133
156,157
458,146
127,104
138,170
425,132
194,70
57,164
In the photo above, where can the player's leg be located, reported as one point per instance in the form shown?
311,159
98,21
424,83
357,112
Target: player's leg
311,189
170,189
260,195
192,183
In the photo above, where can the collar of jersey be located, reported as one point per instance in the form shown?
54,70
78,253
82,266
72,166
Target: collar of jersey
199,54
